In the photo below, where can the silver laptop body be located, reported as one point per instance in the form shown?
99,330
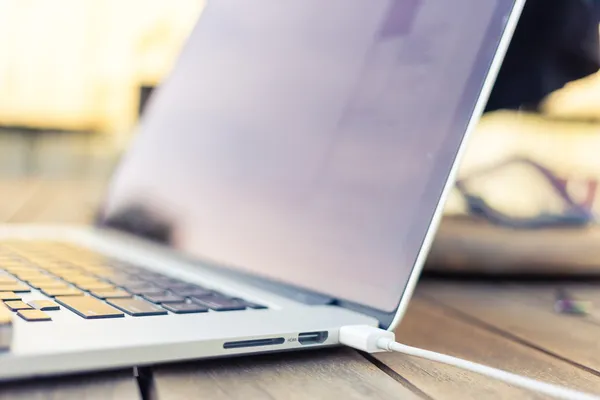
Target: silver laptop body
286,180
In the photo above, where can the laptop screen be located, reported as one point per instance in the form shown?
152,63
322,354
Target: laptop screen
309,141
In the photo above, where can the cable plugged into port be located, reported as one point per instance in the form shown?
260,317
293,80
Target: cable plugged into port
308,338
372,340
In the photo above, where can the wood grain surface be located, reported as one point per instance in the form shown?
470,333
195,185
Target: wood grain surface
14,195
526,314
467,246
111,386
327,374
435,326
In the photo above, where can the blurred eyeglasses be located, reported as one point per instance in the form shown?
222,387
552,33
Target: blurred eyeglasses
576,213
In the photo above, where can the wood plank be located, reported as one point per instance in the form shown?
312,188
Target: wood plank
545,294
432,327
465,244
121,385
327,374
14,194
525,314
39,200
70,202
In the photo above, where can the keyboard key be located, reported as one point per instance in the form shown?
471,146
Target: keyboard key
83,279
164,298
105,275
12,270
16,305
97,270
33,315
128,268
7,280
185,308
6,260
89,307
171,284
151,276
14,287
136,284
168,280
31,275
47,284
61,270
110,294
72,277
192,292
20,269
44,305
62,292
93,286
56,265
59,273
218,303
145,289
137,307
6,296
121,280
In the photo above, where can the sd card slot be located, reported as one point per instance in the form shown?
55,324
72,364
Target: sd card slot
253,343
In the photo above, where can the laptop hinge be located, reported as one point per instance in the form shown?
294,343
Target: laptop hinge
284,290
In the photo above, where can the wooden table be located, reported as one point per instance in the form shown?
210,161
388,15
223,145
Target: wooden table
508,326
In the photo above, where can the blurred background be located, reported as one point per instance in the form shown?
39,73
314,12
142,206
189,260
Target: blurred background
74,78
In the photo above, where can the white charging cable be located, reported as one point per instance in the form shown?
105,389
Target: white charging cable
374,340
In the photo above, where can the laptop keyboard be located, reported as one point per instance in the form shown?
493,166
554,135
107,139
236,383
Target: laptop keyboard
93,286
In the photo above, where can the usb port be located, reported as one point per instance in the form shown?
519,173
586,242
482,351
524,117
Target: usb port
308,338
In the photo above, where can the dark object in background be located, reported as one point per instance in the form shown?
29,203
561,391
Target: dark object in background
140,222
145,93
555,42
566,304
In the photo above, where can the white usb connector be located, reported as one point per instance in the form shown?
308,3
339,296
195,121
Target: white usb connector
365,338
372,340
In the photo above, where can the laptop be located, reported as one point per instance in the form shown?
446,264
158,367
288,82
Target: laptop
286,180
